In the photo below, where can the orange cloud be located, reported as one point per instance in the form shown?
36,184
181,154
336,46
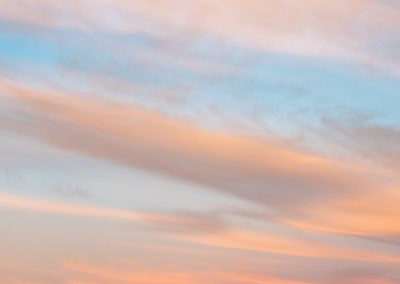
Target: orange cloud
174,222
105,275
47,206
300,187
370,215
252,168
278,243
250,240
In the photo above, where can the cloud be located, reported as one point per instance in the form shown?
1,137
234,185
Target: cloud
176,222
255,169
271,242
299,209
371,215
54,207
344,29
107,274
373,141
367,275
297,185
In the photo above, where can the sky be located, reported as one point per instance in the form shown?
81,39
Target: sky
188,142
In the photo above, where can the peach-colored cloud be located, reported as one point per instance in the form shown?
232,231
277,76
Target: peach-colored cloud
250,240
103,274
174,222
47,206
278,243
372,214
11,281
142,138
312,27
19,272
295,184
298,189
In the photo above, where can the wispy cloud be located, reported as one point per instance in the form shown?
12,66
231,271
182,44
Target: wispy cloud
342,29
173,222
256,170
111,274
222,141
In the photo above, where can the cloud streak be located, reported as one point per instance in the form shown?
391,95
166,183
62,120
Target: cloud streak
344,29
292,182
225,142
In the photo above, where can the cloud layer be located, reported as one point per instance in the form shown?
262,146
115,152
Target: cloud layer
199,141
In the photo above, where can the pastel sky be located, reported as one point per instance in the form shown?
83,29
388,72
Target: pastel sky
200,141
